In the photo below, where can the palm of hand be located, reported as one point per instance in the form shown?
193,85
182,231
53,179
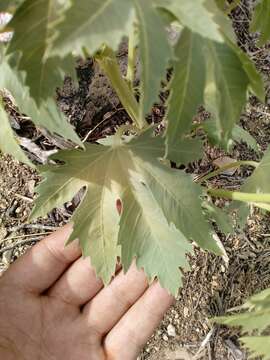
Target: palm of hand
53,307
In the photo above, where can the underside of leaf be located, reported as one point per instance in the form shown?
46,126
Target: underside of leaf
160,207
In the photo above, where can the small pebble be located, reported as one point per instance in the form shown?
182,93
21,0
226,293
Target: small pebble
165,337
171,330
6,258
186,312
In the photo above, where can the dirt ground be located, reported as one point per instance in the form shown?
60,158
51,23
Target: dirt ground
212,286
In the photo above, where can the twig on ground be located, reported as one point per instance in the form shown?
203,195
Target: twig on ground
19,243
204,343
234,350
41,155
32,226
107,117
25,198
25,236
209,351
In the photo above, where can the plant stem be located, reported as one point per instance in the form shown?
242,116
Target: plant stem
131,59
226,167
262,206
232,6
107,61
240,196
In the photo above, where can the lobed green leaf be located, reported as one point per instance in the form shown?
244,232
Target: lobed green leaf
152,196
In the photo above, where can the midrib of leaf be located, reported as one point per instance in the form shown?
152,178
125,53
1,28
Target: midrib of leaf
93,18
187,151
50,9
134,226
223,80
144,146
153,232
186,81
265,164
102,210
146,60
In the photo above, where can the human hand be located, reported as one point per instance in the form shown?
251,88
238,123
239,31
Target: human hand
53,307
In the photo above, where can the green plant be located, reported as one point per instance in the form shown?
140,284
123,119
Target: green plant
256,317
161,207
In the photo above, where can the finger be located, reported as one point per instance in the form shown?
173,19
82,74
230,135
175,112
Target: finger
78,284
138,324
42,265
105,310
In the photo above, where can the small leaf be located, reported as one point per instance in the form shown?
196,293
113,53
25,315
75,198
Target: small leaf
90,24
186,88
185,151
260,22
221,218
155,52
193,15
8,143
239,134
